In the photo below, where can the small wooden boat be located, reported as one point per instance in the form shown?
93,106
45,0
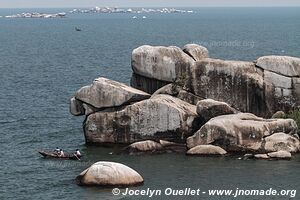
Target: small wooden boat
47,154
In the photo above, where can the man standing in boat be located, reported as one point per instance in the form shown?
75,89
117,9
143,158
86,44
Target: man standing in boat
61,153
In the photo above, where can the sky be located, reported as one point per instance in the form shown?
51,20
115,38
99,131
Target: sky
144,3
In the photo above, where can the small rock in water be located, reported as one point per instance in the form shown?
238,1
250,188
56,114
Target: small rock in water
206,150
261,156
145,146
280,155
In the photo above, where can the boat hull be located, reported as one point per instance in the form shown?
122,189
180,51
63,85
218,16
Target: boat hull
46,154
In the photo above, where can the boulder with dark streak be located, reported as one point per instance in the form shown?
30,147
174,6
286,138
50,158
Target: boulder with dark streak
158,63
196,51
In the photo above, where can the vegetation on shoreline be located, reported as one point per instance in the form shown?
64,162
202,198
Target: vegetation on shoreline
295,115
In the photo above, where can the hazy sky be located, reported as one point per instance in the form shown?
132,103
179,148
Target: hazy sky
142,3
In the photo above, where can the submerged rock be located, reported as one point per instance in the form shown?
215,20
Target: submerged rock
173,147
240,132
105,93
196,51
209,108
147,146
160,117
206,150
261,156
280,155
150,146
109,174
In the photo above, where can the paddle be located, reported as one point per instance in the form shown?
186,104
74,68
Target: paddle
76,156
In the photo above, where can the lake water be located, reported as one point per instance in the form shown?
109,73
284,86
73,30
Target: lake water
44,61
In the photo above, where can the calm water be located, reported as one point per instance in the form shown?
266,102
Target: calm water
44,61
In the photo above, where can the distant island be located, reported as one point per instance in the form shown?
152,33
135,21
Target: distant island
36,15
129,10
107,10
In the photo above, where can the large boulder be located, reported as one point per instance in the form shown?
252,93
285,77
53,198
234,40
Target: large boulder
160,117
209,108
237,83
105,93
196,51
109,174
158,62
281,141
158,65
284,65
240,132
206,150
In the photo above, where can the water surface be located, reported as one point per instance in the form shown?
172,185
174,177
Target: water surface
44,61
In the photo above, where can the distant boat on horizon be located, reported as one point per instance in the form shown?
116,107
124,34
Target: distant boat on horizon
134,17
77,29
144,17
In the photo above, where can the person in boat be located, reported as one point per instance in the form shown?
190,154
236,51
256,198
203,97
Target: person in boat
77,153
57,150
61,153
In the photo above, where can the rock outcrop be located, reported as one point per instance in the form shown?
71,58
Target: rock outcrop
225,92
243,132
283,72
109,174
283,65
160,117
105,93
196,51
163,64
263,87
206,150
209,108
